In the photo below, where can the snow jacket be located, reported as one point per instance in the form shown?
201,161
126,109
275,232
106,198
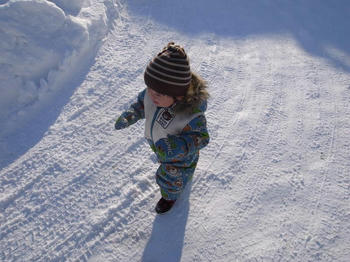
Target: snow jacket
176,136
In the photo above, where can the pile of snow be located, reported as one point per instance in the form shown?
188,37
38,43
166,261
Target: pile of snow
43,43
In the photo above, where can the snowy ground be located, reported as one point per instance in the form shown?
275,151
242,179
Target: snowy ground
272,185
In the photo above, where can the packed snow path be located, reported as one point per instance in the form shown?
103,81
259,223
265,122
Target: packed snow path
272,185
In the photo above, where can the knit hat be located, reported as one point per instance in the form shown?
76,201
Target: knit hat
169,72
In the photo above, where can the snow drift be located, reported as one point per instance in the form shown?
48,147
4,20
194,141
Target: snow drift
43,43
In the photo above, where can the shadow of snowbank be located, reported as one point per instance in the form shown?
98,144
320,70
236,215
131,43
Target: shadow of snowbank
46,55
320,27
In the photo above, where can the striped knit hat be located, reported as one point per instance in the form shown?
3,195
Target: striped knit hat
169,72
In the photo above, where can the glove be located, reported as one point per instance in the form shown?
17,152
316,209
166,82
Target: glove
121,123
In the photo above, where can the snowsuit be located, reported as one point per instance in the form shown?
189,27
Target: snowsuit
176,138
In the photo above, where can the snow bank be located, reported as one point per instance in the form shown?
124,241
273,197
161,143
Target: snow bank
71,6
39,56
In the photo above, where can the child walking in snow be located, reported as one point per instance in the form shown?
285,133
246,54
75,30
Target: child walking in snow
173,105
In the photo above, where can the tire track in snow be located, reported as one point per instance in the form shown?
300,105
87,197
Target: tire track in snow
257,176
60,191
273,114
80,227
19,178
204,185
71,189
330,155
312,242
228,126
115,219
231,117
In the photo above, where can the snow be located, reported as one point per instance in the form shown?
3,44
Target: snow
273,183
39,55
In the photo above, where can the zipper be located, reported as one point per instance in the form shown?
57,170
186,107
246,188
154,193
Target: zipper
153,120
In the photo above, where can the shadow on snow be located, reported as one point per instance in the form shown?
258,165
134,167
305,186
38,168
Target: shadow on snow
168,232
320,27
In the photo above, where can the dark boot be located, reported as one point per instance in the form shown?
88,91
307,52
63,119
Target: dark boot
164,205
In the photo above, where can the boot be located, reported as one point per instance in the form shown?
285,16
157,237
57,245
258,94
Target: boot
164,205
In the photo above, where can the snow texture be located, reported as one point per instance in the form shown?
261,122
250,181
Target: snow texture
272,185
40,54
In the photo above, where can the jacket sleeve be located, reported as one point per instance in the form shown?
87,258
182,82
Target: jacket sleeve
193,137
133,114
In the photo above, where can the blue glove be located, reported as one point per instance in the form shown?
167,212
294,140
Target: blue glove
121,123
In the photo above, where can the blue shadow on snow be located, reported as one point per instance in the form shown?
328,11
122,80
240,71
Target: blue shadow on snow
321,28
18,143
168,232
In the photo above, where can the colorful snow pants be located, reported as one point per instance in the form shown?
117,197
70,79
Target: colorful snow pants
172,179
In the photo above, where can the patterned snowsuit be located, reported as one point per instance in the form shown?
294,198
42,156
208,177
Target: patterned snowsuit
175,137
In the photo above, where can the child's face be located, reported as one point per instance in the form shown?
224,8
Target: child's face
160,99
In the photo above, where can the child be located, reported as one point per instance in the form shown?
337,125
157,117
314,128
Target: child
173,105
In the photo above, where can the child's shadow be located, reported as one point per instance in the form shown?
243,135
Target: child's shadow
167,238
